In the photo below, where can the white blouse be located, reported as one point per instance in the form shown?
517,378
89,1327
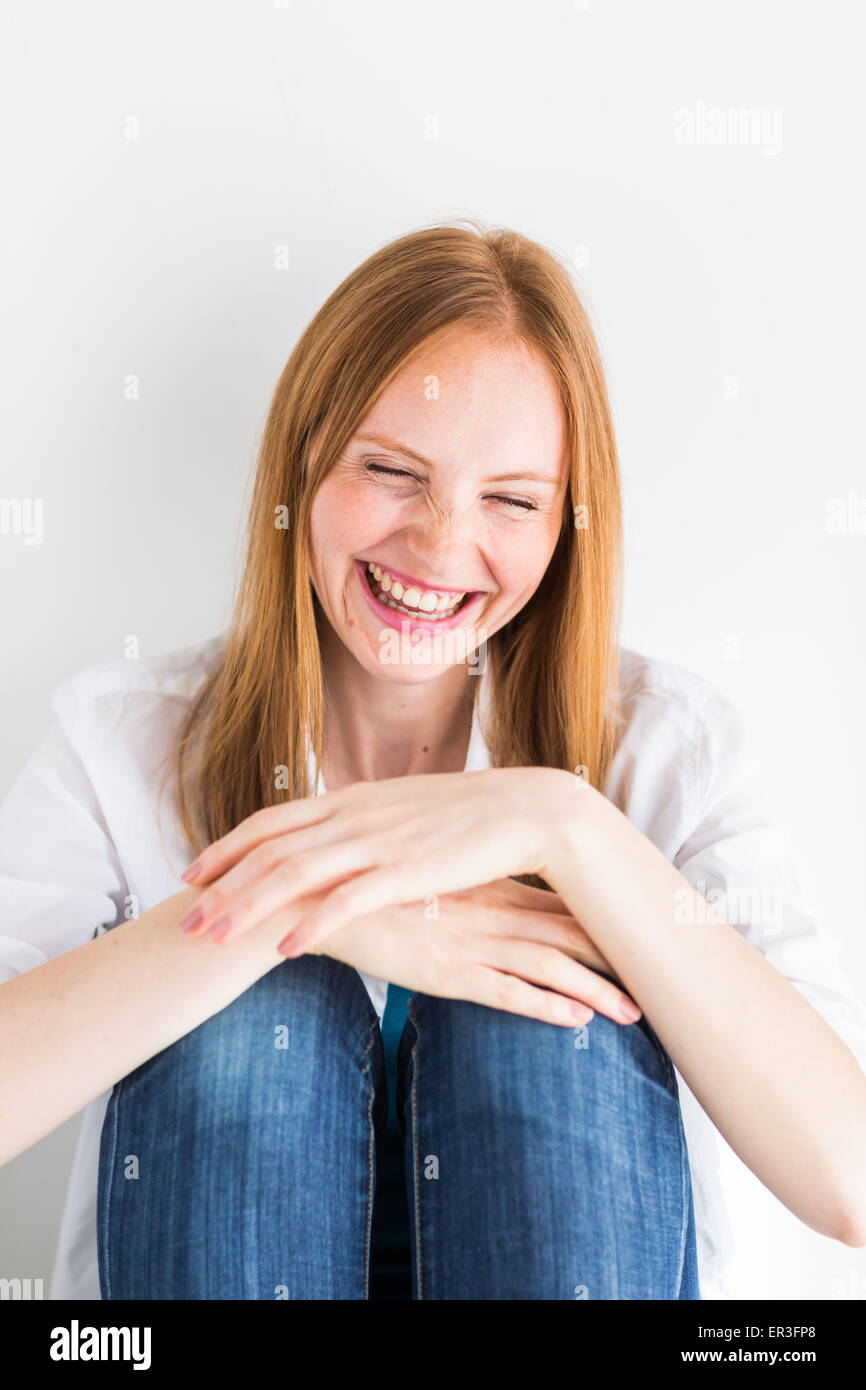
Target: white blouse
81,851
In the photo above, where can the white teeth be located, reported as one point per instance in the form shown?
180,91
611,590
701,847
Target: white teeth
413,612
414,599
434,605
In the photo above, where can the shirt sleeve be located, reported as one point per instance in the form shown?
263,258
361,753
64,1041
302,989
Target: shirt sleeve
60,875
739,858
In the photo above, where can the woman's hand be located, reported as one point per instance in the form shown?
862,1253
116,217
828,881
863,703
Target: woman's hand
508,908
489,946
505,945
378,844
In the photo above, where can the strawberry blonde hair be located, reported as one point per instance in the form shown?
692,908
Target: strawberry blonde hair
553,668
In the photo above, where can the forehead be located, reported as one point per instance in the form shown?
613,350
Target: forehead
466,398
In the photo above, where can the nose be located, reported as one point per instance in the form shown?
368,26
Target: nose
443,542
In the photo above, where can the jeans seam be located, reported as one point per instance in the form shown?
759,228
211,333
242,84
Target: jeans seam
685,1176
112,1160
419,1265
684,1184
661,1052
370,1148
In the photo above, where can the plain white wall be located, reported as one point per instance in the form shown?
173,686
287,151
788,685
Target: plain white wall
185,183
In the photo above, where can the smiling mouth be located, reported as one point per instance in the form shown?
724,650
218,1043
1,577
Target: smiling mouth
432,605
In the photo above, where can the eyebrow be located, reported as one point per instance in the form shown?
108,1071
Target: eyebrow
395,447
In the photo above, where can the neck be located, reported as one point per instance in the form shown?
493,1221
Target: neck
376,729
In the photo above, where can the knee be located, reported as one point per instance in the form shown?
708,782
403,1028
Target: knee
505,1061
302,1018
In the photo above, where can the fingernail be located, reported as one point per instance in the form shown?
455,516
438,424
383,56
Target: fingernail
219,929
628,1011
192,872
191,919
289,947
580,1013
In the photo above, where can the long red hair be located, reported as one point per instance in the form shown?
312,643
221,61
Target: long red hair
553,668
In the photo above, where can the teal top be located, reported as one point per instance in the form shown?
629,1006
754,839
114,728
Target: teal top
393,1022
390,1249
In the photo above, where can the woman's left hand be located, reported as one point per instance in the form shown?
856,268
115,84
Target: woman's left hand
377,844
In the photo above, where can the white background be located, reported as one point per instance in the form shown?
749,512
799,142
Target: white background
158,156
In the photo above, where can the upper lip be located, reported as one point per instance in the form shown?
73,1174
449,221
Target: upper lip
409,580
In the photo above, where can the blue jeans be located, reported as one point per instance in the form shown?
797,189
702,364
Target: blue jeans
541,1162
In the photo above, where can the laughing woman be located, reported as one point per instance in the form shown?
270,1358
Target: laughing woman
419,756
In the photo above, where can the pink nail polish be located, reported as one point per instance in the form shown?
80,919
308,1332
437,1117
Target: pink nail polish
192,872
219,929
191,919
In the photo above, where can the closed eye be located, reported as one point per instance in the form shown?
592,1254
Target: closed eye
522,502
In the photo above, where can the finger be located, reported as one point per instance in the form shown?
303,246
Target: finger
288,816
574,942
256,829
545,965
555,929
536,899
497,990
560,928
268,879
214,903
290,857
387,886
564,940
275,927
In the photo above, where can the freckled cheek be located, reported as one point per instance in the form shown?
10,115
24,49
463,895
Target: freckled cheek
519,569
345,522
351,526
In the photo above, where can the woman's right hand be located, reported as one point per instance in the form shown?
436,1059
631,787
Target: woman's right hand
494,945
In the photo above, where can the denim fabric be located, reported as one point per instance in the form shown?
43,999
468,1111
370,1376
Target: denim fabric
541,1162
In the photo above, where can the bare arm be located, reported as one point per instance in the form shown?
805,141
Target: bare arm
785,1091
72,1027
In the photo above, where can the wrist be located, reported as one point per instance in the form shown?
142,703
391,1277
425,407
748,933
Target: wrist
572,824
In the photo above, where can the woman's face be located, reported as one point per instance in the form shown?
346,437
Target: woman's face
453,486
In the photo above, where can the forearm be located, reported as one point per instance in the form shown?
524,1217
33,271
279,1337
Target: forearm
783,1089
72,1027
